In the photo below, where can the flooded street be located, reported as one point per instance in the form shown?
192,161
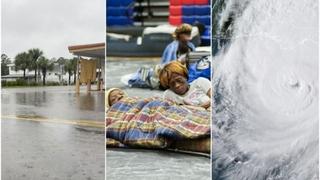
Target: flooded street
139,164
53,102
52,133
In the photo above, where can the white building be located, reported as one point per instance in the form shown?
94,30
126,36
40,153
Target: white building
56,75
17,74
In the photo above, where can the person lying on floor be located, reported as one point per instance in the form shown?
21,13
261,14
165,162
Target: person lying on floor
176,50
155,123
114,95
174,78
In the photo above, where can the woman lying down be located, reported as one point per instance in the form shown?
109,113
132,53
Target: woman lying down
168,122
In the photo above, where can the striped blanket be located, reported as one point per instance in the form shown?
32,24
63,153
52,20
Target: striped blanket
154,123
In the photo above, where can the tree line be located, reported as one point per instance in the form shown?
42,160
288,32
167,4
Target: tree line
34,60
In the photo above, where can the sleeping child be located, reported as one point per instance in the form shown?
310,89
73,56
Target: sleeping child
114,95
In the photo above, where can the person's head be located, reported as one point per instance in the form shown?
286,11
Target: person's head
174,76
183,33
114,95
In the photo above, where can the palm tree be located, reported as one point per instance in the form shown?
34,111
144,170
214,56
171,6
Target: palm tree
70,67
35,53
4,64
22,62
67,68
44,65
61,61
74,63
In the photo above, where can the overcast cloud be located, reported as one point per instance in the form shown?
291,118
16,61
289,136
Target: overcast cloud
51,25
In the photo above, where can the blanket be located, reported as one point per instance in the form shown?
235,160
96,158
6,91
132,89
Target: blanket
170,53
154,123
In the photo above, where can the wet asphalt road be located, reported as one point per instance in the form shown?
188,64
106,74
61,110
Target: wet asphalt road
138,164
52,133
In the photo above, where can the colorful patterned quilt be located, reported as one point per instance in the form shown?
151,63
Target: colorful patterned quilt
154,123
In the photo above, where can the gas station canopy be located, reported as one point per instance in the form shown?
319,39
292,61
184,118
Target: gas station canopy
96,50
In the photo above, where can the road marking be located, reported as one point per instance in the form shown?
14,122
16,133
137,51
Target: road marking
87,123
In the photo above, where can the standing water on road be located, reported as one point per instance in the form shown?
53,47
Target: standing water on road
53,102
266,93
42,136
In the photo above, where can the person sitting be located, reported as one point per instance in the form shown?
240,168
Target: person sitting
175,49
174,78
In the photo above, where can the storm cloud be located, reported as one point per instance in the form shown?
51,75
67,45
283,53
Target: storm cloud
50,25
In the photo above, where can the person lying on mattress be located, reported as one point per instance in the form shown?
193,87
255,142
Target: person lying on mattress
174,78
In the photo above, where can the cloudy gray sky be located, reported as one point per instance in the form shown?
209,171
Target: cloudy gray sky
51,25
